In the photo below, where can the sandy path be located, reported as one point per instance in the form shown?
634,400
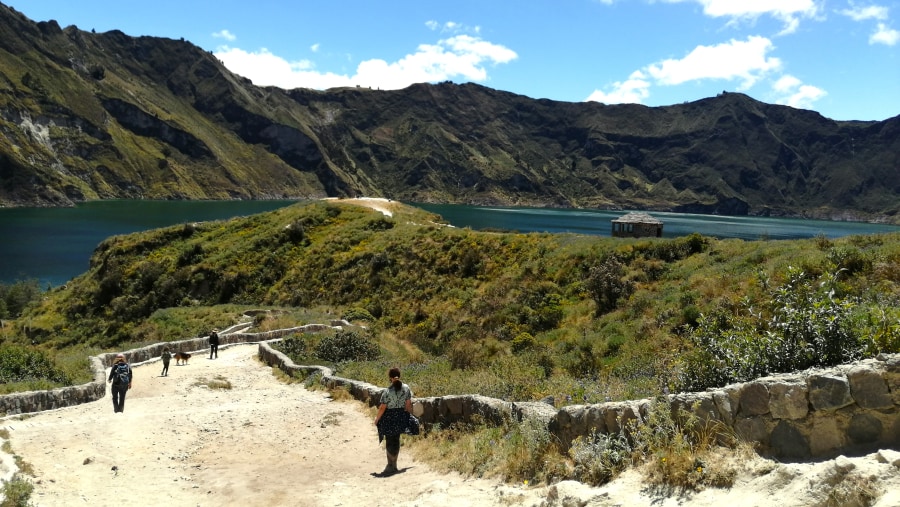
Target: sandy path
267,443
260,443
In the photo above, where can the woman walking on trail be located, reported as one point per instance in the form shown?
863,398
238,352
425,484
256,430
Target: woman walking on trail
214,344
166,357
393,418
120,376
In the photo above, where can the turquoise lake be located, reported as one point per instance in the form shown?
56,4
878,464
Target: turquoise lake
54,245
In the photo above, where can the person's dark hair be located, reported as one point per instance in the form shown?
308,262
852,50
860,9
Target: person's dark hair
397,384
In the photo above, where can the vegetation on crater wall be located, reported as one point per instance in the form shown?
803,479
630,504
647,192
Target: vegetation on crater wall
517,316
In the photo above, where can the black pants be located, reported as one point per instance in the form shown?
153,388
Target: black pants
392,444
165,368
118,396
213,349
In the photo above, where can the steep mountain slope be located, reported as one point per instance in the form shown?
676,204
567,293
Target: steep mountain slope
95,116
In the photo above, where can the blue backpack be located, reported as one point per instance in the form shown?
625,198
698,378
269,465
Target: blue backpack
122,375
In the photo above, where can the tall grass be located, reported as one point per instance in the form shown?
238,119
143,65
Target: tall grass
18,490
512,451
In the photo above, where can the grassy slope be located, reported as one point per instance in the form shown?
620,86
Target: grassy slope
470,297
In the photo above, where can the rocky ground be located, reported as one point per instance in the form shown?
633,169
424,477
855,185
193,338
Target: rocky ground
264,442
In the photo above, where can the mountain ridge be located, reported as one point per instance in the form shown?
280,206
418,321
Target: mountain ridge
89,116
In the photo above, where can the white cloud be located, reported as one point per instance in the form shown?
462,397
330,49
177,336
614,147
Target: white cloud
742,9
882,34
266,69
885,35
451,27
633,90
743,60
461,56
792,92
224,34
315,47
863,13
786,83
788,11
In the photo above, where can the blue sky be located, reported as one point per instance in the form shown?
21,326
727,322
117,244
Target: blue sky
838,57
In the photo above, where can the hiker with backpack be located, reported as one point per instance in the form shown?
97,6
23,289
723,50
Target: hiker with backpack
120,377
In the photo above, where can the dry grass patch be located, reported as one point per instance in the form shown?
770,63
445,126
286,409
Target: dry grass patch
332,419
516,452
217,382
341,393
854,490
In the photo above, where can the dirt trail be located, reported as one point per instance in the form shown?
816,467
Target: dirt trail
263,442
267,443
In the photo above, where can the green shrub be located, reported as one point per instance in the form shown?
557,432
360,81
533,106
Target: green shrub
680,449
606,284
357,314
690,316
22,364
300,348
531,453
16,296
295,232
17,492
380,224
674,249
522,342
804,326
346,346
850,259
521,452
599,458
884,324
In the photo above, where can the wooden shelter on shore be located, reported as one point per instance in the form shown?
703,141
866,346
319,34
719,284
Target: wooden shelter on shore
637,225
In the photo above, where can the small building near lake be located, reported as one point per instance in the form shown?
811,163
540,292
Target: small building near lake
637,225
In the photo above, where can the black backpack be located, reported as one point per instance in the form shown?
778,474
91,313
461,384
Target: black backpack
122,375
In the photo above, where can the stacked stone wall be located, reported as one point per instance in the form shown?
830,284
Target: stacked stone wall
816,413
38,401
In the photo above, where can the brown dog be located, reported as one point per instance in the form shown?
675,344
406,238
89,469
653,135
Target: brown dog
181,357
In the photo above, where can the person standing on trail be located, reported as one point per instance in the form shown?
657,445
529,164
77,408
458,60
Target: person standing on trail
120,376
214,343
394,418
166,357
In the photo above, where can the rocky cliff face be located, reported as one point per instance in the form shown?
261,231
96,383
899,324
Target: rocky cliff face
93,116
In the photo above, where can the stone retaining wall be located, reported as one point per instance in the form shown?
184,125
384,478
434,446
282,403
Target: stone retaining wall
37,401
817,413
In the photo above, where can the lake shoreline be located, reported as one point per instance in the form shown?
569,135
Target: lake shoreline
54,244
